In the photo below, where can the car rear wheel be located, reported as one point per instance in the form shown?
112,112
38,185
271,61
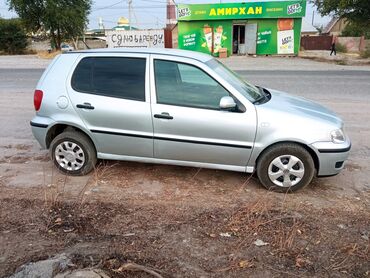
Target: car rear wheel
285,168
73,153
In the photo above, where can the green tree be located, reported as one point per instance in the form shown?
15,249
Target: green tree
354,10
13,39
354,29
60,19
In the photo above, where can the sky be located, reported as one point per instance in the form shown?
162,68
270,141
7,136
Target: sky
148,13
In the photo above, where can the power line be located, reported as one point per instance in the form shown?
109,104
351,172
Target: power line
107,7
154,1
126,8
144,22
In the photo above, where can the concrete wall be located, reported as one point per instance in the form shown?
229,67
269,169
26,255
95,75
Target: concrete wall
45,45
92,44
351,43
366,44
175,37
39,46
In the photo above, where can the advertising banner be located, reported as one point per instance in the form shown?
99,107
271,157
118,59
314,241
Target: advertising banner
285,42
207,37
245,10
278,36
135,38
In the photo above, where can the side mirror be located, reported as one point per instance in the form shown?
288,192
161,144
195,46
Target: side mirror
227,103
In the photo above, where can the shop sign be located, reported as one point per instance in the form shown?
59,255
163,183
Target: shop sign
245,10
135,38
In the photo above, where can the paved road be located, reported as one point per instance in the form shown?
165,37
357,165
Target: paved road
353,85
19,80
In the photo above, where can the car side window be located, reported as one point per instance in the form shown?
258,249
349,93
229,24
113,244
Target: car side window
186,85
118,77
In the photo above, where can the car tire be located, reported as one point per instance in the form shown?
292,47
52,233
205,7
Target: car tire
73,153
285,168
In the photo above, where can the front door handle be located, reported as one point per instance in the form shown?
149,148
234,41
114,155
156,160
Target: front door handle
163,115
85,106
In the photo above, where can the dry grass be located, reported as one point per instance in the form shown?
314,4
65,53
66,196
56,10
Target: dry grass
47,55
54,189
147,235
264,220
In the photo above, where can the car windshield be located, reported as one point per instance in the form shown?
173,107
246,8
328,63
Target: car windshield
250,91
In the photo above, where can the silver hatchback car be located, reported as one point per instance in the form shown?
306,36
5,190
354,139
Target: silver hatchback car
182,108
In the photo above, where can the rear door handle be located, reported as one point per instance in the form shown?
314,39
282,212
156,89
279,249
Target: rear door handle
163,115
85,106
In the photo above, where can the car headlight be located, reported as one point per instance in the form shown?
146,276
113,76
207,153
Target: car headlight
337,136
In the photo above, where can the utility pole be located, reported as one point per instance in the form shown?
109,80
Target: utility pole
129,13
313,17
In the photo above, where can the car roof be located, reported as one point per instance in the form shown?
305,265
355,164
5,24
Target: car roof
163,51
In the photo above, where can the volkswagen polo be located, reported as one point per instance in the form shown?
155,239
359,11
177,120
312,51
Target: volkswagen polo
183,108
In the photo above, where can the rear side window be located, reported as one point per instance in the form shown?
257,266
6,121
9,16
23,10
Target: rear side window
111,76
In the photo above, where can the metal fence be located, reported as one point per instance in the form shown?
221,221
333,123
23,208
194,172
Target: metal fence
316,42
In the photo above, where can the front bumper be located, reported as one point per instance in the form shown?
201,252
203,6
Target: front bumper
331,157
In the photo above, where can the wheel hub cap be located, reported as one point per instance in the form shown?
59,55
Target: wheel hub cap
286,171
70,156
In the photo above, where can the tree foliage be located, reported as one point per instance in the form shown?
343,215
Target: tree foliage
354,29
61,19
13,39
354,10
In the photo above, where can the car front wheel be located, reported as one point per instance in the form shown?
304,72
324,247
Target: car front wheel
73,153
285,168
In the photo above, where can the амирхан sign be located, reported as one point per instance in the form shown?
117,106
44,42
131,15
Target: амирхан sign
273,9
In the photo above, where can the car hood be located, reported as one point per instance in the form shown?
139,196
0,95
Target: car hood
300,107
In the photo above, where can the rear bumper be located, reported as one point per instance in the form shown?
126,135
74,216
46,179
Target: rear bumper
40,127
332,157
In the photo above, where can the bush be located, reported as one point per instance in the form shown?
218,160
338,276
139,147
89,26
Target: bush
366,52
13,39
341,48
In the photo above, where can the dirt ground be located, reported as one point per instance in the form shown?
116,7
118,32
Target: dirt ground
183,224
181,221
340,58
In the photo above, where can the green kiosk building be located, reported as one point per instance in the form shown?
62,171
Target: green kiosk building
261,28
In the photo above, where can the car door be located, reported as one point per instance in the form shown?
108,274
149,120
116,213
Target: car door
188,124
110,92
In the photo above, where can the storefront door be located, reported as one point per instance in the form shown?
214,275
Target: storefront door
244,39
251,38
239,39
